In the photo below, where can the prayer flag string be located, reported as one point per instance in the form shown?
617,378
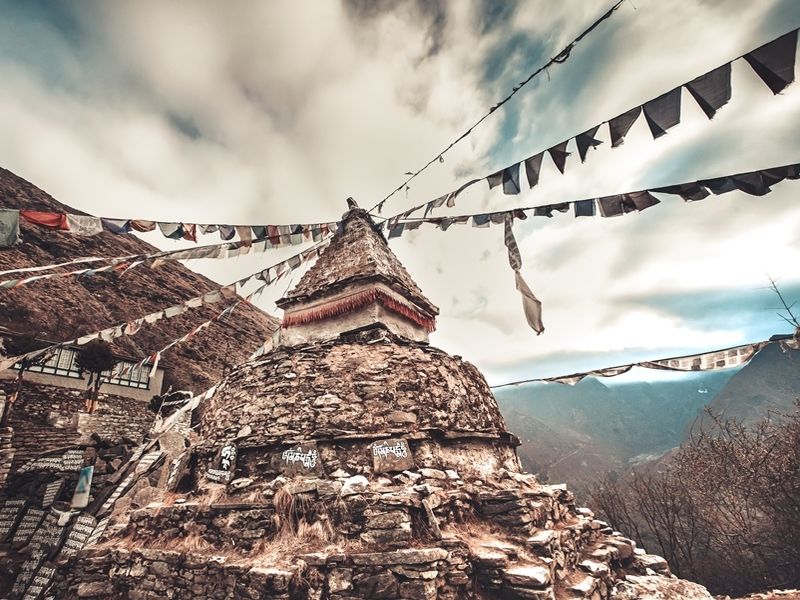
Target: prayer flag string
773,62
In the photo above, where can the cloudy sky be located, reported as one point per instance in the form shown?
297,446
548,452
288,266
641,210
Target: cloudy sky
275,112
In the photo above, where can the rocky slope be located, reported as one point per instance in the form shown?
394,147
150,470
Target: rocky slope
574,433
60,309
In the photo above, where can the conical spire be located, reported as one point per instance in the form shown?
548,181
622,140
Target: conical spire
356,282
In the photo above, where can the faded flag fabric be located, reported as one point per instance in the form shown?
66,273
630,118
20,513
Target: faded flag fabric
9,227
84,224
559,155
619,126
533,166
774,62
530,303
587,140
663,112
712,91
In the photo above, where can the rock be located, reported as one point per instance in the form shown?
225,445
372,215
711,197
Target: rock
651,561
340,580
433,473
95,589
594,568
656,587
241,483
411,556
380,586
401,417
244,432
354,485
527,576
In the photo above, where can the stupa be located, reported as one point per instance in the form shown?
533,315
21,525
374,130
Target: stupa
353,461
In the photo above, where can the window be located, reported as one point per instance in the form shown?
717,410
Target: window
134,376
62,362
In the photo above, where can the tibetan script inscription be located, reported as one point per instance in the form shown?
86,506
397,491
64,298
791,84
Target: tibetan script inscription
299,459
79,534
52,492
41,581
29,524
224,465
8,516
391,455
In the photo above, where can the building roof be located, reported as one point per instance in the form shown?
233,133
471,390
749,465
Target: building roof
359,252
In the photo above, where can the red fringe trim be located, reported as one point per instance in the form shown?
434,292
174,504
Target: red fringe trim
354,302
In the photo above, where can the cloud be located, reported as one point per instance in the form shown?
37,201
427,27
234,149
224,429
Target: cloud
276,112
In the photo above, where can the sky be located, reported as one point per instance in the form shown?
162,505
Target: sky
276,112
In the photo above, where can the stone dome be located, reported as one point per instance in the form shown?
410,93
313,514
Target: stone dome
364,383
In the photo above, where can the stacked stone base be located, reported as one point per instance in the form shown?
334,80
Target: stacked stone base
422,535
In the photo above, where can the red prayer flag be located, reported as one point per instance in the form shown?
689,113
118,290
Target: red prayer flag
45,219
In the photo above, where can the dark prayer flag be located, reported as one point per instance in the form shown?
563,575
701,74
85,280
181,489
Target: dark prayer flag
511,180
559,155
533,167
495,179
751,183
774,62
118,226
227,232
584,208
619,126
481,220
719,185
638,201
663,112
396,231
610,206
586,140
712,91
687,191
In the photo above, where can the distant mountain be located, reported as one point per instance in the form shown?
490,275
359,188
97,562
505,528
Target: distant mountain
61,309
770,382
575,433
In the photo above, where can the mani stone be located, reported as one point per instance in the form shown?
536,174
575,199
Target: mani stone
391,455
298,459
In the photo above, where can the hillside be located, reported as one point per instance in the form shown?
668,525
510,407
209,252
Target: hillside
574,433
770,382
61,309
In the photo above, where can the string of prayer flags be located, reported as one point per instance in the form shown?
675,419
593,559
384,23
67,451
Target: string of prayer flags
88,225
530,303
754,183
725,358
127,328
155,357
123,264
773,62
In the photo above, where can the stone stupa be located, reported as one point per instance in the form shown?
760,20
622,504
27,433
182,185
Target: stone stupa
353,461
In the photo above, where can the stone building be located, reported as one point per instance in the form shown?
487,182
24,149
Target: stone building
353,461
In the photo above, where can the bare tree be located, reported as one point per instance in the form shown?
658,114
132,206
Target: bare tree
726,510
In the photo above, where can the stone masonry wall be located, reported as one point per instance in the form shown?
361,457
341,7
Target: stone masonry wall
367,382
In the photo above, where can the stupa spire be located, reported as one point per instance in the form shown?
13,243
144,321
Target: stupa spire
357,282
